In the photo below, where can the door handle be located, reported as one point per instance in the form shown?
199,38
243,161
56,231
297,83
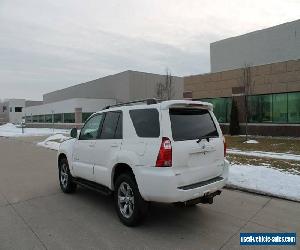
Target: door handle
91,145
114,145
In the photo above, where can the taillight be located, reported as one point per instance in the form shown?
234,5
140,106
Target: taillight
164,158
225,146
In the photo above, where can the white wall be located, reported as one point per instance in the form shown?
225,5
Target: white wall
275,44
15,117
68,106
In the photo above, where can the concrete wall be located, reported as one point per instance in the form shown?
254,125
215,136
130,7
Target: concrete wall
275,44
265,79
29,103
123,87
69,106
144,85
15,117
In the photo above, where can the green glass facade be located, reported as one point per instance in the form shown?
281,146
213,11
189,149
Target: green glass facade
274,108
222,108
269,108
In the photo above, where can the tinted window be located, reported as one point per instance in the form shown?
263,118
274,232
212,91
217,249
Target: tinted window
191,124
110,125
145,122
91,128
119,130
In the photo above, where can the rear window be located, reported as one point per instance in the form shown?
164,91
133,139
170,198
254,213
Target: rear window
191,124
145,122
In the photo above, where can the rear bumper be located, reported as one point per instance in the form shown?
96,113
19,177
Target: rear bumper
161,185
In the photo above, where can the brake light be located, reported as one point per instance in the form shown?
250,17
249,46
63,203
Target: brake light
225,146
164,158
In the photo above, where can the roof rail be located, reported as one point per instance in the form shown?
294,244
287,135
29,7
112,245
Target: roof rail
148,101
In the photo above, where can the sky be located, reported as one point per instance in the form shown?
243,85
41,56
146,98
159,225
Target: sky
48,45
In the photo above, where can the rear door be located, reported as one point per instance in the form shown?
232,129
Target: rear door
197,145
107,146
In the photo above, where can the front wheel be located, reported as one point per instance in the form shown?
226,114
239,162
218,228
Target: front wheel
130,205
65,178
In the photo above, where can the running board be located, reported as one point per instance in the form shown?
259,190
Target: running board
93,186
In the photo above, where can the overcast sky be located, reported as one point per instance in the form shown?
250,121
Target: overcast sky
46,45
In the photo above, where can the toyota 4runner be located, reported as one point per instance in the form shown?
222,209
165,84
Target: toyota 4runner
143,151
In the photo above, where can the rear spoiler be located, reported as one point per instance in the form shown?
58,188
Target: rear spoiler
186,103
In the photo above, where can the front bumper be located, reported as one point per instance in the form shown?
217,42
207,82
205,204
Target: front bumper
161,185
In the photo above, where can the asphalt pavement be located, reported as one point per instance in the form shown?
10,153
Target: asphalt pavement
35,214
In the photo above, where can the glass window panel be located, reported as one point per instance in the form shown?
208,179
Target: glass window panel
48,118
280,108
294,107
266,108
254,104
69,117
28,119
58,118
41,119
35,118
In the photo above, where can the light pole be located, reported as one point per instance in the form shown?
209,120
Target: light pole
53,120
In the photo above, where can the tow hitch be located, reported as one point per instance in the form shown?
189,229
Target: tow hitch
206,199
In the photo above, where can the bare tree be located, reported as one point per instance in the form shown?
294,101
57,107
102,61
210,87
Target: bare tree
247,86
165,90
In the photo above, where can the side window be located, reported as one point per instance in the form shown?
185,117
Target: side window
145,122
111,126
119,130
91,128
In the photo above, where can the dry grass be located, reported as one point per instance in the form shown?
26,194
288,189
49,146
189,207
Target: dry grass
284,165
269,144
279,145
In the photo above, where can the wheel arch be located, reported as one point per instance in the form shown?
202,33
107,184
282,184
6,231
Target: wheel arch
119,169
60,157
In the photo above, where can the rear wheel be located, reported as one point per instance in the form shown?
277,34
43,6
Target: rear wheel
65,178
130,205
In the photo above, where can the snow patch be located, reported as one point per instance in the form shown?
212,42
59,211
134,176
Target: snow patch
265,180
281,156
53,142
251,142
11,130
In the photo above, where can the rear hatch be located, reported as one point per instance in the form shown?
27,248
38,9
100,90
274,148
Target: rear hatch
197,145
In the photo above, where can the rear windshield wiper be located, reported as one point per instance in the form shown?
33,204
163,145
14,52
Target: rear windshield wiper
203,137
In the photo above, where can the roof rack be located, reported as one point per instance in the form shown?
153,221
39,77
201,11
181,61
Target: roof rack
148,101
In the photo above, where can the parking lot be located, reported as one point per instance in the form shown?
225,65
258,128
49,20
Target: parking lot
35,214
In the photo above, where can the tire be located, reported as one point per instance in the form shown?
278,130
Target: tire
131,207
65,178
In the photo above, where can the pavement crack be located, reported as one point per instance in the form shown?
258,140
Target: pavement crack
25,222
240,228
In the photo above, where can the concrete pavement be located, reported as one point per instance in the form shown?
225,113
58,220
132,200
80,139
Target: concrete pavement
34,214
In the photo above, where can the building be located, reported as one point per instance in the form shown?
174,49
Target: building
71,106
276,44
12,110
259,70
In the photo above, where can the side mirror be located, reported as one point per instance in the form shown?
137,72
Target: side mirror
73,133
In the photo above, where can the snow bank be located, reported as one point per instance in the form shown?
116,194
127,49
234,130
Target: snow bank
281,156
53,142
251,142
260,179
10,130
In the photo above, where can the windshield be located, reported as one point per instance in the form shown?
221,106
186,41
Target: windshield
191,124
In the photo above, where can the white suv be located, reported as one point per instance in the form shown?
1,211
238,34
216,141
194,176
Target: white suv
170,151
